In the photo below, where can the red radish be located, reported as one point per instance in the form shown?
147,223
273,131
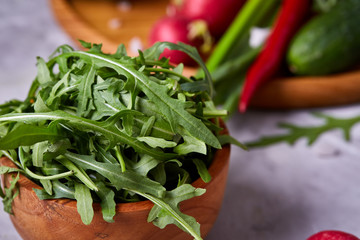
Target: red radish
217,14
332,235
181,29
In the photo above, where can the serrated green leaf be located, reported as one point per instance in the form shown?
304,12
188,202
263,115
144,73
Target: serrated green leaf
43,75
10,193
79,173
107,203
65,48
227,139
128,123
38,153
197,86
52,168
105,156
40,106
147,127
120,179
157,142
56,148
6,169
184,178
120,52
85,96
191,144
56,92
146,164
26,135
159,173
312,133
171,108
202,170
23,156
106,128
166,210
84,203
47,186
60,190
85,44
156,50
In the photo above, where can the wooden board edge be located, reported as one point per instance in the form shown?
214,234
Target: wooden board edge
73,25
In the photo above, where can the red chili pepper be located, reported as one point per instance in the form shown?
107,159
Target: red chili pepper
291,16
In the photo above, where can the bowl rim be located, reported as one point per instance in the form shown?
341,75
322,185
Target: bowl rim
221,157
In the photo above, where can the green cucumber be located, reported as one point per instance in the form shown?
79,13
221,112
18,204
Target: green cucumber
328,43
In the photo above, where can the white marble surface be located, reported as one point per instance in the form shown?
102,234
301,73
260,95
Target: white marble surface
280,192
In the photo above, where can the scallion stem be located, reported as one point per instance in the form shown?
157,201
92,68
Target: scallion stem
210,113
250,15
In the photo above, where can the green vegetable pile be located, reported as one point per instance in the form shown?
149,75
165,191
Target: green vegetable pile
111,128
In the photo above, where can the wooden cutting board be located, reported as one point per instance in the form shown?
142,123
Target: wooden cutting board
109,22
129,22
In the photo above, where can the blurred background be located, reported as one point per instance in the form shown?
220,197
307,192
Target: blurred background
275,192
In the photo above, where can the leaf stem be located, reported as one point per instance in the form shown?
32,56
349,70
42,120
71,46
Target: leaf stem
8,155
158,63
52,177
120,158
79,173
170,72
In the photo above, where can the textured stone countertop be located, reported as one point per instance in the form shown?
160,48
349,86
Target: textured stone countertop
279,192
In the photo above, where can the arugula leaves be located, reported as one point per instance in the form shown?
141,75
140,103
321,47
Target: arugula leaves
311,133
166,210
25,135
84,203
10,192
107,128
172,109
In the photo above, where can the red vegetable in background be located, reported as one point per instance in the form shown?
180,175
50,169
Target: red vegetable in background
332,235
217,14
181,29
292,14
172,29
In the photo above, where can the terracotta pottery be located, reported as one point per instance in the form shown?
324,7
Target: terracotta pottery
37,219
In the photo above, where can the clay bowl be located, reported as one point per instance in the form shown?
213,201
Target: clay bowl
58,219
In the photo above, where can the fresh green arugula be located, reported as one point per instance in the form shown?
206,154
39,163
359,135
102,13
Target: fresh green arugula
10,192
311,133
105,128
